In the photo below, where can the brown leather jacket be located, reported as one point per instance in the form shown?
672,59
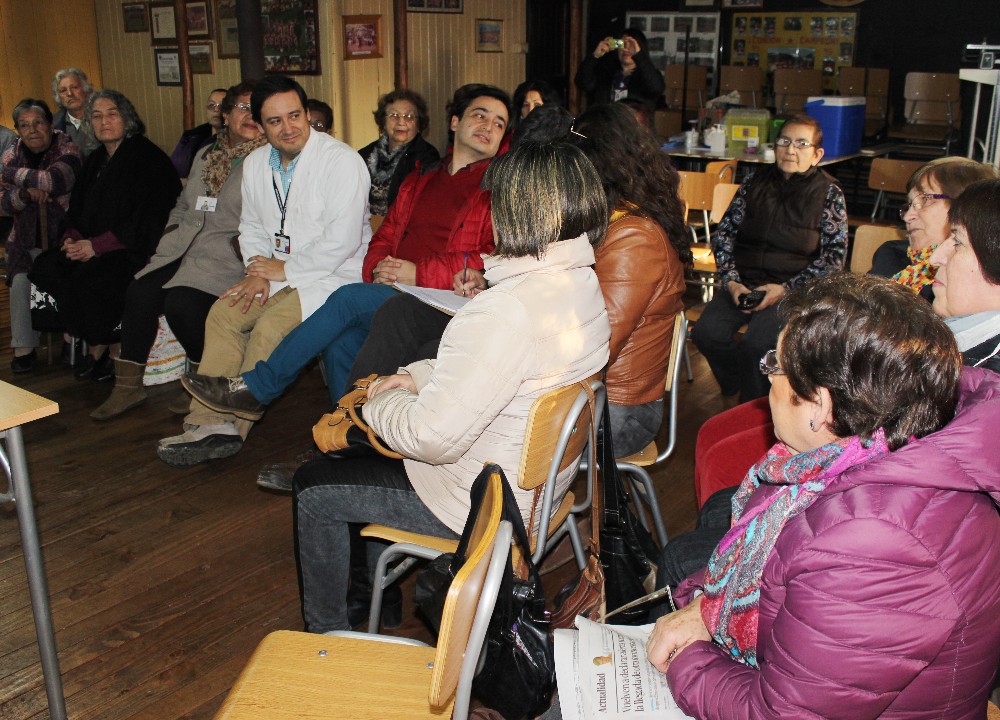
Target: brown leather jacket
642,281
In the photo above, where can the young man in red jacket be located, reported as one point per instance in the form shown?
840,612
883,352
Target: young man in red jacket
437,228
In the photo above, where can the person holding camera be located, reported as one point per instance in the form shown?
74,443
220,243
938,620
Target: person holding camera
787,225
628,72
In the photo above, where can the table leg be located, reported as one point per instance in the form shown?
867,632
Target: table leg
37,586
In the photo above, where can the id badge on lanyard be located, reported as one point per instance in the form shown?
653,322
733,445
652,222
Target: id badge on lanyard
282,242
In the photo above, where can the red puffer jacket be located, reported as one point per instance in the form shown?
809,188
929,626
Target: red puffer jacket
471,232
881,599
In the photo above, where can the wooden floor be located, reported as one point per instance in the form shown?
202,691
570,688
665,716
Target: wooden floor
163,581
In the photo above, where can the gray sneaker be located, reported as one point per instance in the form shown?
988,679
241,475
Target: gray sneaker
193,448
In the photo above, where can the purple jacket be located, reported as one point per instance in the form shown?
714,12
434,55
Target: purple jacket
882,599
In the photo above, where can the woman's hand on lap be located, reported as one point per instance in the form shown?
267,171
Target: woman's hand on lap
674,632
392,382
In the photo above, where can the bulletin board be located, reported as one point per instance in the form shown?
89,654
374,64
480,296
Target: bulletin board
809,39
670,34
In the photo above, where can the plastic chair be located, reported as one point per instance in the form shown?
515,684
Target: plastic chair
868,239
557,430
355,675
890,176
745,80
634,465
793,86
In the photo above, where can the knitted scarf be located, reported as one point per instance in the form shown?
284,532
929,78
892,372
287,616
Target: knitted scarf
223,157
919,272
789,484
381,166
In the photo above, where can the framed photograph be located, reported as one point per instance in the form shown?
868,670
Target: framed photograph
489,35
437,6
162,23
362,36
136,17
201,57
743,3
291,36
168,67
198,20
986,61
227,34
707,4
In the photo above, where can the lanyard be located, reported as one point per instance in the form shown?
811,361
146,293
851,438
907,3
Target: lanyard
282,205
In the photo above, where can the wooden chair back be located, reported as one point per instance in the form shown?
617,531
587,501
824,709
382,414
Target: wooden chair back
745,80
793,86
376,222
464,595
722,196
889,175
697,86
868,239
722,169
675,357
696,189
932,99
546,419
851,81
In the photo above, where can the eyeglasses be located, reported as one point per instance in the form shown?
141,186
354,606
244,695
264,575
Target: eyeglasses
920,202
769,364
245,107
318,125
213,106
405,117
799,144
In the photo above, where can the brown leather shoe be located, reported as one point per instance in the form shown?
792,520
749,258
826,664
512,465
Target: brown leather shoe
224,394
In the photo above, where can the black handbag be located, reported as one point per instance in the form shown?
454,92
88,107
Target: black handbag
518,669
628,552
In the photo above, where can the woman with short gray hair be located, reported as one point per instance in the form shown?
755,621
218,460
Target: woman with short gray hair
116,216
70,90
37,175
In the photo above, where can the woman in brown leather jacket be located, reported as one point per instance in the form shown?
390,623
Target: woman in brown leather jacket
640,266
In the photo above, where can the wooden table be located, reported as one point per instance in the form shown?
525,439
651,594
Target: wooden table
705,154
18,407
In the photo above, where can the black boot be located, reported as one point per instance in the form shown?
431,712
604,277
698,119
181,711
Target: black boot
359,600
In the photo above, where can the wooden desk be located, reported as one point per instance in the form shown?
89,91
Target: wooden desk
18,407
703,153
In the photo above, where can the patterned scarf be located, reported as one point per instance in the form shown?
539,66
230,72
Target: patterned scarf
919,272
790,484
381,166
222,158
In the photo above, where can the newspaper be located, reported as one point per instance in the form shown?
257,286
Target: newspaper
444,300
602,672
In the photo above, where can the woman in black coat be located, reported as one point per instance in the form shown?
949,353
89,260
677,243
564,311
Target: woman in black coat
401,117
116,216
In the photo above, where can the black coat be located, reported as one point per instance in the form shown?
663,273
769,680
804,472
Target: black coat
419,150
596,77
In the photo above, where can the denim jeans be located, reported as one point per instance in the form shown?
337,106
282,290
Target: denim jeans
331,494
337,329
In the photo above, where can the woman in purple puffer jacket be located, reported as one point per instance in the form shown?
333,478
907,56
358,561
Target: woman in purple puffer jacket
859,579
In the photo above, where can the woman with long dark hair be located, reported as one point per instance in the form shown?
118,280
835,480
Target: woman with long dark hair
640,266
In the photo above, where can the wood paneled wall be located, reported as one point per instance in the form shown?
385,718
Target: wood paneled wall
38,38
41,36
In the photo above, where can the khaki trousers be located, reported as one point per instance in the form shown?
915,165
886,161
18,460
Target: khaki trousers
235,341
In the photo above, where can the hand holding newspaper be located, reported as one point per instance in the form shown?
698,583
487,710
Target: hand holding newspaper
602,672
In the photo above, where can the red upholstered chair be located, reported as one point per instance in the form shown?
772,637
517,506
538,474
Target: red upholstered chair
729,444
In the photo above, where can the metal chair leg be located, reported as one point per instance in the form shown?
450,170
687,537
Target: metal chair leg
654,507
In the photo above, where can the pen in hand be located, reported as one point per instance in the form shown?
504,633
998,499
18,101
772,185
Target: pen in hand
465,273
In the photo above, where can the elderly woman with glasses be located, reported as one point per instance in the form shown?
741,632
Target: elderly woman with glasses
36,178
786,225
116,216
401,117
930,193
858,577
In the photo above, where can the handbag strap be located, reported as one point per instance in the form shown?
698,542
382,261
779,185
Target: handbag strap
595,505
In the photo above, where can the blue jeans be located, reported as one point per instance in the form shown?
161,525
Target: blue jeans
330,495
337,329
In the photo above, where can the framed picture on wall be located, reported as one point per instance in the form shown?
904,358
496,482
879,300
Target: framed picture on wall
291,36
489,35
201,57
362,36
438,6
162,23
227,34
199,20
135,17
168,66
743,3
706,4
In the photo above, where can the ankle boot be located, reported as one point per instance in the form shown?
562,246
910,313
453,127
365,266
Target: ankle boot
127,392
359,598
180,403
